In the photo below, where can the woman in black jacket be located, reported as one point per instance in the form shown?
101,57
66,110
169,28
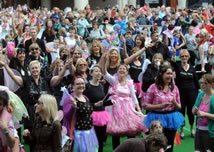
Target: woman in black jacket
187,82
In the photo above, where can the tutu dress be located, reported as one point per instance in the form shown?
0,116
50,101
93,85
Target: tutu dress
19,109
125,120
96,94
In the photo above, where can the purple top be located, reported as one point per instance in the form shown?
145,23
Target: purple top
68,111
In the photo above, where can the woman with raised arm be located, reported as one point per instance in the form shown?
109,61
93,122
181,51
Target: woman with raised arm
201,63
187,82
126,114
134,61
34,86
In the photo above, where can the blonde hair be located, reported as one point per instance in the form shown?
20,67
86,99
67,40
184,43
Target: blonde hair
157,55
134,49
184,51
34,62
80,60
34,45
204,33
50,109
33,28
209,78
99,45
108,57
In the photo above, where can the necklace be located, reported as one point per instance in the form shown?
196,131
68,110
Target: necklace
94,84
186,67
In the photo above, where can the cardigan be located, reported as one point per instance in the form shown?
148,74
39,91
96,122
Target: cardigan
211,111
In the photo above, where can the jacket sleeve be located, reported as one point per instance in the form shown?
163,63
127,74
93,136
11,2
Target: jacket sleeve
67,108
198,99
57,137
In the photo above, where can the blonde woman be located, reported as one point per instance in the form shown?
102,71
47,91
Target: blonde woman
46,132
202,53
35,86
187,82
113,60
81,68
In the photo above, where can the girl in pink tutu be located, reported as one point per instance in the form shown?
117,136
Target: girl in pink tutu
126,121
96,95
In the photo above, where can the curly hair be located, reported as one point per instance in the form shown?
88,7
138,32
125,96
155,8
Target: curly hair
155,139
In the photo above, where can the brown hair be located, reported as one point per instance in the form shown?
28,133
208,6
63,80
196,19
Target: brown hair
51,30
97,66
142,40
209,78
125,65
154,123
159,80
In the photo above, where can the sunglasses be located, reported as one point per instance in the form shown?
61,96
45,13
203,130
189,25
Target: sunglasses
82,64
34,49
186,56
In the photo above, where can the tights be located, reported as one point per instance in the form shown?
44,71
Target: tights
101,133
188,97
170,135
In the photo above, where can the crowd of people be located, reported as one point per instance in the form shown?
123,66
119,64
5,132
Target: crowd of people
74,77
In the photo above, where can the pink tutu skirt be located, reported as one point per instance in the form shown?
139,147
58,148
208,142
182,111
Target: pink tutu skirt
126,121
100,118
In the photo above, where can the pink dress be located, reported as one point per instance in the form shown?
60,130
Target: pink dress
125,119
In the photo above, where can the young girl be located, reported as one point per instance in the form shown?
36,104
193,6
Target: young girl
84,49
156,127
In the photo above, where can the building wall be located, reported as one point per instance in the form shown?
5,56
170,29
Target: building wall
102,3
63,3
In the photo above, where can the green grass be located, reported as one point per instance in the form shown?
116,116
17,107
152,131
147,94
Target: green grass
187,145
